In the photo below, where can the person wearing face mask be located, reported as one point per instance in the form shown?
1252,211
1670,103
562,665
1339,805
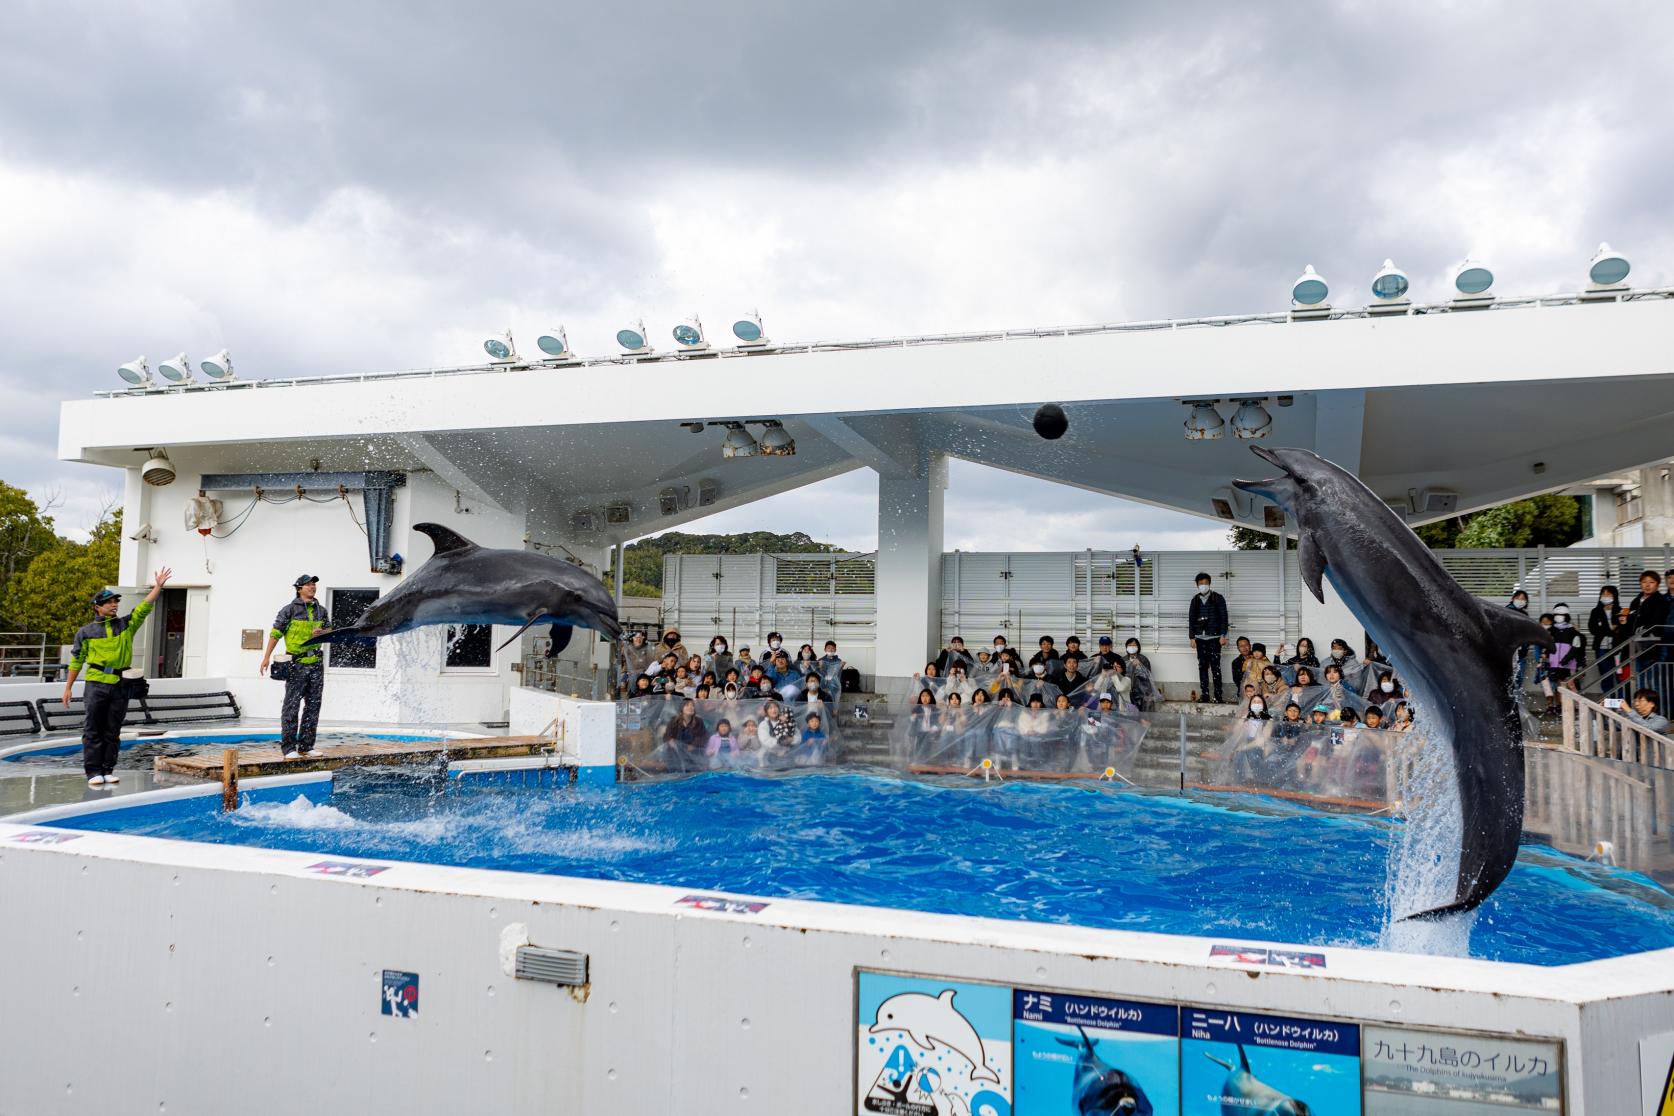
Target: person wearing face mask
1039,681
1568,655
1247,741
1647,624
633,658
1519,603
1047,654
671,644
775,644
1385,692
999,646
720,659
1207,626
811,688
1601,629
1147,696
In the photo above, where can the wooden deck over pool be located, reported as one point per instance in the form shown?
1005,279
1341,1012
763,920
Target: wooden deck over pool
268,760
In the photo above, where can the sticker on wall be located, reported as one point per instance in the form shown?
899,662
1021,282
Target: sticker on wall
1409,1073
1656,1073
346,868
928,1047
36,837
721,903
1261,955
400,994
1080,1054
1232,1061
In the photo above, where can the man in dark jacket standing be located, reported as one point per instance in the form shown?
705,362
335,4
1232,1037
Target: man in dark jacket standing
299,717
1208,627
1648,623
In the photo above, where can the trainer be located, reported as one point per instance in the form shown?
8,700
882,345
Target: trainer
305,681
106,648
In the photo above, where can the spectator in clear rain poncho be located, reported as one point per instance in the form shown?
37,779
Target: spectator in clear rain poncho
1272,687
634,658
1384,693
743,661
812,690
924,727
1247,742
1146,694
723,745
1400,719
930,679
777,732
685,737
1071,680
954,652
1114,680
1305,689
719,659
1033,727
1103,739
806,659
1305,655
1254,663
812,747
1047,655
831,668
958,681
1008,675
1339,694
985,669
1038,682
1344,660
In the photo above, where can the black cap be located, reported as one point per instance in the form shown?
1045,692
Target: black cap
304,580
104,595
1105,641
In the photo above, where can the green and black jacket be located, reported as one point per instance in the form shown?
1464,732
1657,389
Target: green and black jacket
106,647
295,623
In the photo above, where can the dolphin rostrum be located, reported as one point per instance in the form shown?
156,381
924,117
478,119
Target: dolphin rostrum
932,1020
1245,1094
1099,1088
1455,651
464,583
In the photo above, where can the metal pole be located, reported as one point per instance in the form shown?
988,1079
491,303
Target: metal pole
1182,749
1284,601
621,562
1089,628
1540,573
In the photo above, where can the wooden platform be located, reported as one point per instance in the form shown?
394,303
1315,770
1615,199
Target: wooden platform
268,760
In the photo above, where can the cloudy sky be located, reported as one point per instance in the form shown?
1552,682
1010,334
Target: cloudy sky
328,188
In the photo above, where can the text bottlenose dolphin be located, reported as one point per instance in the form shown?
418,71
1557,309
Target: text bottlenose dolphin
1455,651
464,583
1099,1088
1245,1094
931,1021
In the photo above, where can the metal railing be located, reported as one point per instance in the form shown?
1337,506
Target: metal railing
24,655
562,676
1592,730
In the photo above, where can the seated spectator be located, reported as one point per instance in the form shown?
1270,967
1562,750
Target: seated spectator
686,734
1386,689
954,652
777,731
1305,690
722,745
743,661
1401,719
749,743
1046,657
709,680
831,668
1305,655
812,747
1102,657
979,696
694,665
1292,724
683,683
930,678
1069,679
702,693
775,643
1374,654
665,665
641,687
1072,645
1320,715
957,681
671,645
1271,687
1646,711
999,646
720,659
1115,681
812,689
1254,663
1242,660
633,659
1374,717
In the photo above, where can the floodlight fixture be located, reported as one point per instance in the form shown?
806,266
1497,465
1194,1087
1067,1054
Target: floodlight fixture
689,336
1251,420
136,372
738,442
501,349
217,367
1309,289
1474,282
157,470
634,340
776,440
1608,268
555,343
750,333
1204,424
176,370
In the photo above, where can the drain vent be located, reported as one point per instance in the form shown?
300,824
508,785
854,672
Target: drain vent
554,966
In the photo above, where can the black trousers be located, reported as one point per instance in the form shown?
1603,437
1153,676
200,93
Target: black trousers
301,713
106,704
1209,666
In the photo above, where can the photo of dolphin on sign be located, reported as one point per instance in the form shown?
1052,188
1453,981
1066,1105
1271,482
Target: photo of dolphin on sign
1100,1089
464,583
1245,1094
931,1021
1455,651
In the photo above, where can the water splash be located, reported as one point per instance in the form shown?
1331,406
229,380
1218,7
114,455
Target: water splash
1423,868
299,813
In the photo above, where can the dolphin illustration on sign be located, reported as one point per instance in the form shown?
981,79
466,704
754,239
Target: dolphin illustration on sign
464,583
1456,652
1099,1088
1245,1094
931,1021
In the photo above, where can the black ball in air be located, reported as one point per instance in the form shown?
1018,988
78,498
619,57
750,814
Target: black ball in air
1051,422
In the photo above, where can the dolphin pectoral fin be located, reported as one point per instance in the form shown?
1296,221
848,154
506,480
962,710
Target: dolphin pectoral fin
1311,561
1512,631
445,539
527,624
1436,914
1218,1061
560,639
337,635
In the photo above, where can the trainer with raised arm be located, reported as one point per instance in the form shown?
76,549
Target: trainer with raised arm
299,717
106,648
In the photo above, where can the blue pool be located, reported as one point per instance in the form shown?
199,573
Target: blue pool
1088,855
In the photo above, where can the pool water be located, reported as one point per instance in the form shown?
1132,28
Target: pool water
1218,866
138,752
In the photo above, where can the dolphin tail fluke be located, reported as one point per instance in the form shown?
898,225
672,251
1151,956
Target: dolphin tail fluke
1436,914
983,1073
560,639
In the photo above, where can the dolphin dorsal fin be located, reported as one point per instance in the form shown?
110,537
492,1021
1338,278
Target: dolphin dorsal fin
447,540
1510,630
946,997
1243,1059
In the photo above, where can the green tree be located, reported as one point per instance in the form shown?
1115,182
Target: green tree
1249,538
642,564
25,531
51,594
1546,520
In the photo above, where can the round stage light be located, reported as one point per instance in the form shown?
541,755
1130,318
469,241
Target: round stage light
176,370
738,442
632,339
1204,423
689,336
747,329
1309,289
554,343
217,367
1473,278
1390,282
1251,420
135,372
1608,268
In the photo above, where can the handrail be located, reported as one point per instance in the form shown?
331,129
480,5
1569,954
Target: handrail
1592,730
1589,676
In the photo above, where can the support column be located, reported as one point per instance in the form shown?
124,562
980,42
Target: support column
909,592
1339,428
135,556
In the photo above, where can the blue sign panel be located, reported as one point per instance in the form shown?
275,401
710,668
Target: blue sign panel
1234,1061
1085,1054
400,994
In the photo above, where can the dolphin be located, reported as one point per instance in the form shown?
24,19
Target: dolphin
1100,1089
929,1020
1245,1094
464,583
1456,651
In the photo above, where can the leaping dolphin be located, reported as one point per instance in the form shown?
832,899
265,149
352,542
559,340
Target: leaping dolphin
464,583
1245,1094
1456,652
932,1020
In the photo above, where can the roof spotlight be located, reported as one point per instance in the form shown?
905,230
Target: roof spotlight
749,332
176,370
634,340
776,440
1474,280
1251,420
501,349
1609,268
689,336
555,343
1309,289
136,372
738,442
1205,423
1389,290
217,367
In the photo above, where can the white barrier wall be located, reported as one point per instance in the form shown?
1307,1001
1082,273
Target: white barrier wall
186,978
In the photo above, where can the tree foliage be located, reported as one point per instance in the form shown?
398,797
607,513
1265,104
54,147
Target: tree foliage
643,562
51,594
1548,520
1248,538
25,531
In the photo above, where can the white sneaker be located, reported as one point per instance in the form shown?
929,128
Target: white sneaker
96,781
293,756
112,779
